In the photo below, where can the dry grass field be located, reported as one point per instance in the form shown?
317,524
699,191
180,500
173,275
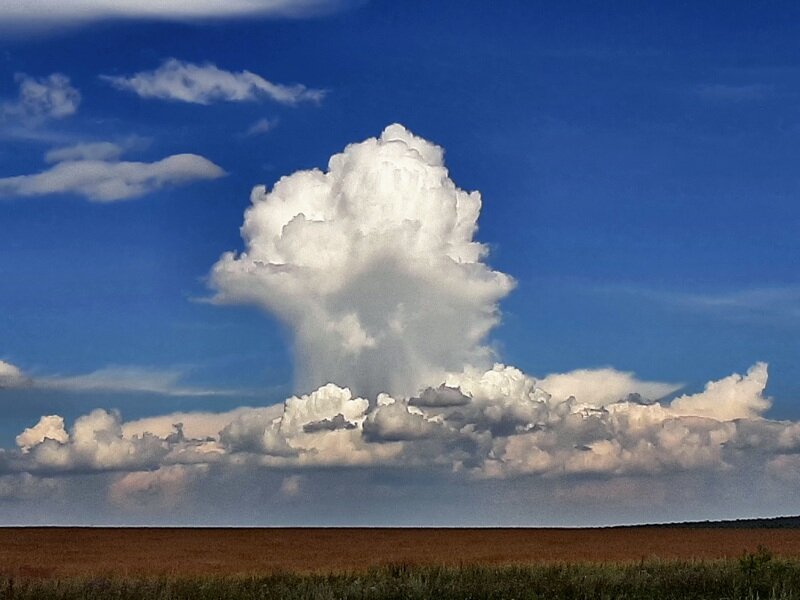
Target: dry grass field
67,552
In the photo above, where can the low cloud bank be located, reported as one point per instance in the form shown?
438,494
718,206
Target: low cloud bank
480,424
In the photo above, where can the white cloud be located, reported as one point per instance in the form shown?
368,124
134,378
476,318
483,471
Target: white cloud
599,387
508,427
204,84
197,425
120,379
48,427
87,151
735,397
261,127
372,263
11,376
94,172
39,14
51,97
95,443
128,379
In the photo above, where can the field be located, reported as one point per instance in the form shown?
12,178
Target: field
639,562
64,552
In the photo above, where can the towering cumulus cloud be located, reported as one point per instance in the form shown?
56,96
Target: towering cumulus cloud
373,265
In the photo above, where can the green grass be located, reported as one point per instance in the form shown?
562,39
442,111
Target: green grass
753,576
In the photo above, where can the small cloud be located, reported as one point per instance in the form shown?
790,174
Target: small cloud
261,127
51,97
95,172
290,487
11,376
205,84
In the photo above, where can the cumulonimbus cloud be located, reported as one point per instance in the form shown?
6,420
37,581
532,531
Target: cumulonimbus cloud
205,84
374,265
95,172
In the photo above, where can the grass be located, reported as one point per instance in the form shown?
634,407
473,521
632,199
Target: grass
754,575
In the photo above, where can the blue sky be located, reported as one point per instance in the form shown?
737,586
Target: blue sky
637,169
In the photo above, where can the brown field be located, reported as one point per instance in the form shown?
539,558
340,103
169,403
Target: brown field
48,552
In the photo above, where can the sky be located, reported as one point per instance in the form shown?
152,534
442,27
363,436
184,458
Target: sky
452,263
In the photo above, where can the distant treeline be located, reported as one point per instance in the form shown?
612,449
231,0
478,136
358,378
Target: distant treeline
770,523
753,576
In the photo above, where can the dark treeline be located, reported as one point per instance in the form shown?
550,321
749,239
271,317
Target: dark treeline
765,523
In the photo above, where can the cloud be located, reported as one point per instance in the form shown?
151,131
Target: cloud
205,84
87,151
508,427
49,427
118,379
27,487
735,397
291,486
164,487
374,265
11,376
779,305
602,386
261,127
95,443
129,379
51,97
40,14
371,263
94,172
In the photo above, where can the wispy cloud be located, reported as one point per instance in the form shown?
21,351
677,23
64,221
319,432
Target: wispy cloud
772,303
95,172
44,14
115,379
205,84
129,379
38,100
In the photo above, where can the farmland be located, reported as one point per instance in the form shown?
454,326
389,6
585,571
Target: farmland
637,562
68,552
